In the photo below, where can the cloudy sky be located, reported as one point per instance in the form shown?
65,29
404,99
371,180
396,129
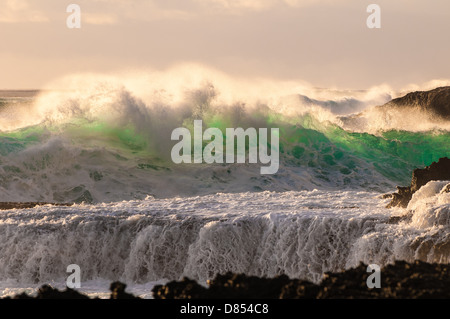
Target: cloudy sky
323,42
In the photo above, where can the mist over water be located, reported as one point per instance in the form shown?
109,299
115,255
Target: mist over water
105,139
104,143
301,234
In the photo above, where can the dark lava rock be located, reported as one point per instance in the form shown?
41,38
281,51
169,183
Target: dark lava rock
436,171
184,289
447,189
401,198
17,205
436,101
415,280
402,218
401,280
118,291
240,286
235,286
299,289
48,292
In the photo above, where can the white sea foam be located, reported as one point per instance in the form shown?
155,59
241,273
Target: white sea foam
301,234
430,205
153,100
104,139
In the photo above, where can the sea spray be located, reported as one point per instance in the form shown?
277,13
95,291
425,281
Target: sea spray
105,143
300,234
214,152
104,140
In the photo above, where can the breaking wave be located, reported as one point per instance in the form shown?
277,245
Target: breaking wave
301,234
104,143
104,139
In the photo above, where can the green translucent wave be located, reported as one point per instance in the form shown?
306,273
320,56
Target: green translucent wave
394,154
304,142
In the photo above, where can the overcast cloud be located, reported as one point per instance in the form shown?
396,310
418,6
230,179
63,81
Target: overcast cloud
325,43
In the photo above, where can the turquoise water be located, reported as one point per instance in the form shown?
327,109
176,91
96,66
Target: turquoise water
121,151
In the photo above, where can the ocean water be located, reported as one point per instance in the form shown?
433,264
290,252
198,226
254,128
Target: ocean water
104,144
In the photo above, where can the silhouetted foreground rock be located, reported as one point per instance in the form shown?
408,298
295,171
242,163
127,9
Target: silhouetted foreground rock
236,286
47,292
436,171
401,280
118,291
18,205
435,101
418,280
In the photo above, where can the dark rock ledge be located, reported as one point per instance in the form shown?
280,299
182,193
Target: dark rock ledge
402,280
435,102
435,172
47,292
18,205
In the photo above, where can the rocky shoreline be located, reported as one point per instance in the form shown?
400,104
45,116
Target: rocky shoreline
433,101
439,170
18,205
402,280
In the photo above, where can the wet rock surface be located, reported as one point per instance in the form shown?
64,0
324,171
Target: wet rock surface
435,101
48,292
402,280
17,205
436,171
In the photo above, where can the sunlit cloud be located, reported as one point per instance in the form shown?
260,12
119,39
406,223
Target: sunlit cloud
15,11
325,42
99,18
258,5
108,12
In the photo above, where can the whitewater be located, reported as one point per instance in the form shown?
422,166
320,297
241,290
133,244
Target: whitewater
103,143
